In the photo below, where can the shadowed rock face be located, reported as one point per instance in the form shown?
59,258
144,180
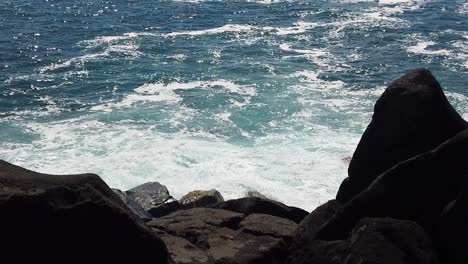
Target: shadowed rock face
249,205
69,219
417,189
411,117
372,240
452,229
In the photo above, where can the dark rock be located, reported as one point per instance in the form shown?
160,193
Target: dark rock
452,232
133,205
417,189
196,224
69,218
182,251
303,237
262,206
374,240
201,198
411,117
154,198
262,224
226,237
253,193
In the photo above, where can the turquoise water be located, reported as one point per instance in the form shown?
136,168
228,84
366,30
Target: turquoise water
233,95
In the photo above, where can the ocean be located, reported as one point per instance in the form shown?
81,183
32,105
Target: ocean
271,96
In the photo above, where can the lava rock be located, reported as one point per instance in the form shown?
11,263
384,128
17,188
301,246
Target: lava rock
69,218
417,189
373,240
154,198
262,224
250,205
452,233
303,236
199,198
133,205
227,237
182,251
411,117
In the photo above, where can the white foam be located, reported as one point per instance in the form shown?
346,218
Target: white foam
161,92
126,155
231,28
421,48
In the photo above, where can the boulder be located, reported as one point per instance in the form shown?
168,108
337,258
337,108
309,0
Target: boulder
252,193
417,189
225,236
154,198
452,231
199,198
303,236
262,224
411,117
133,205
374,240
249,205
69,219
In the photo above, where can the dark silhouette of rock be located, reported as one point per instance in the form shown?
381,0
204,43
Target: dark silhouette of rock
249,205
452,232
133,205
69,219
226,237
417,189
411,117
154,198
303,236
374,240
200,198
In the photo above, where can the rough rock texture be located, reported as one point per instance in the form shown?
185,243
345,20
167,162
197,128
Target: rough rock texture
303,236
417,189
257,194
154,198
249,205
373,240
133,205
201,198
69,218
452,232
411,117
262,224
224,236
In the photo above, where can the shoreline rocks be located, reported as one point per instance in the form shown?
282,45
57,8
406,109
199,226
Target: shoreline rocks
405,201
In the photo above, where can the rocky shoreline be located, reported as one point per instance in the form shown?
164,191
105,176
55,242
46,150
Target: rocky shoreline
405,201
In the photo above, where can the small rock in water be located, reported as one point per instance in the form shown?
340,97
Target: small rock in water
154,198
199,198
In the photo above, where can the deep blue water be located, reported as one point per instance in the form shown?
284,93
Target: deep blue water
232,95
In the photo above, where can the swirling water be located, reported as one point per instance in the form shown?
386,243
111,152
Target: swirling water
233,95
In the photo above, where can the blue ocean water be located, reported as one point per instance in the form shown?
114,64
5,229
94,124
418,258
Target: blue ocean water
234,95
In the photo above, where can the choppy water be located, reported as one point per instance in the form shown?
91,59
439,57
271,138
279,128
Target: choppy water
232,95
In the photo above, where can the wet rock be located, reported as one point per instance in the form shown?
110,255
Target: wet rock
374,240
72,218
252,194
199,198
411,117
133,205
228,237
154,198
417,189
250,205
